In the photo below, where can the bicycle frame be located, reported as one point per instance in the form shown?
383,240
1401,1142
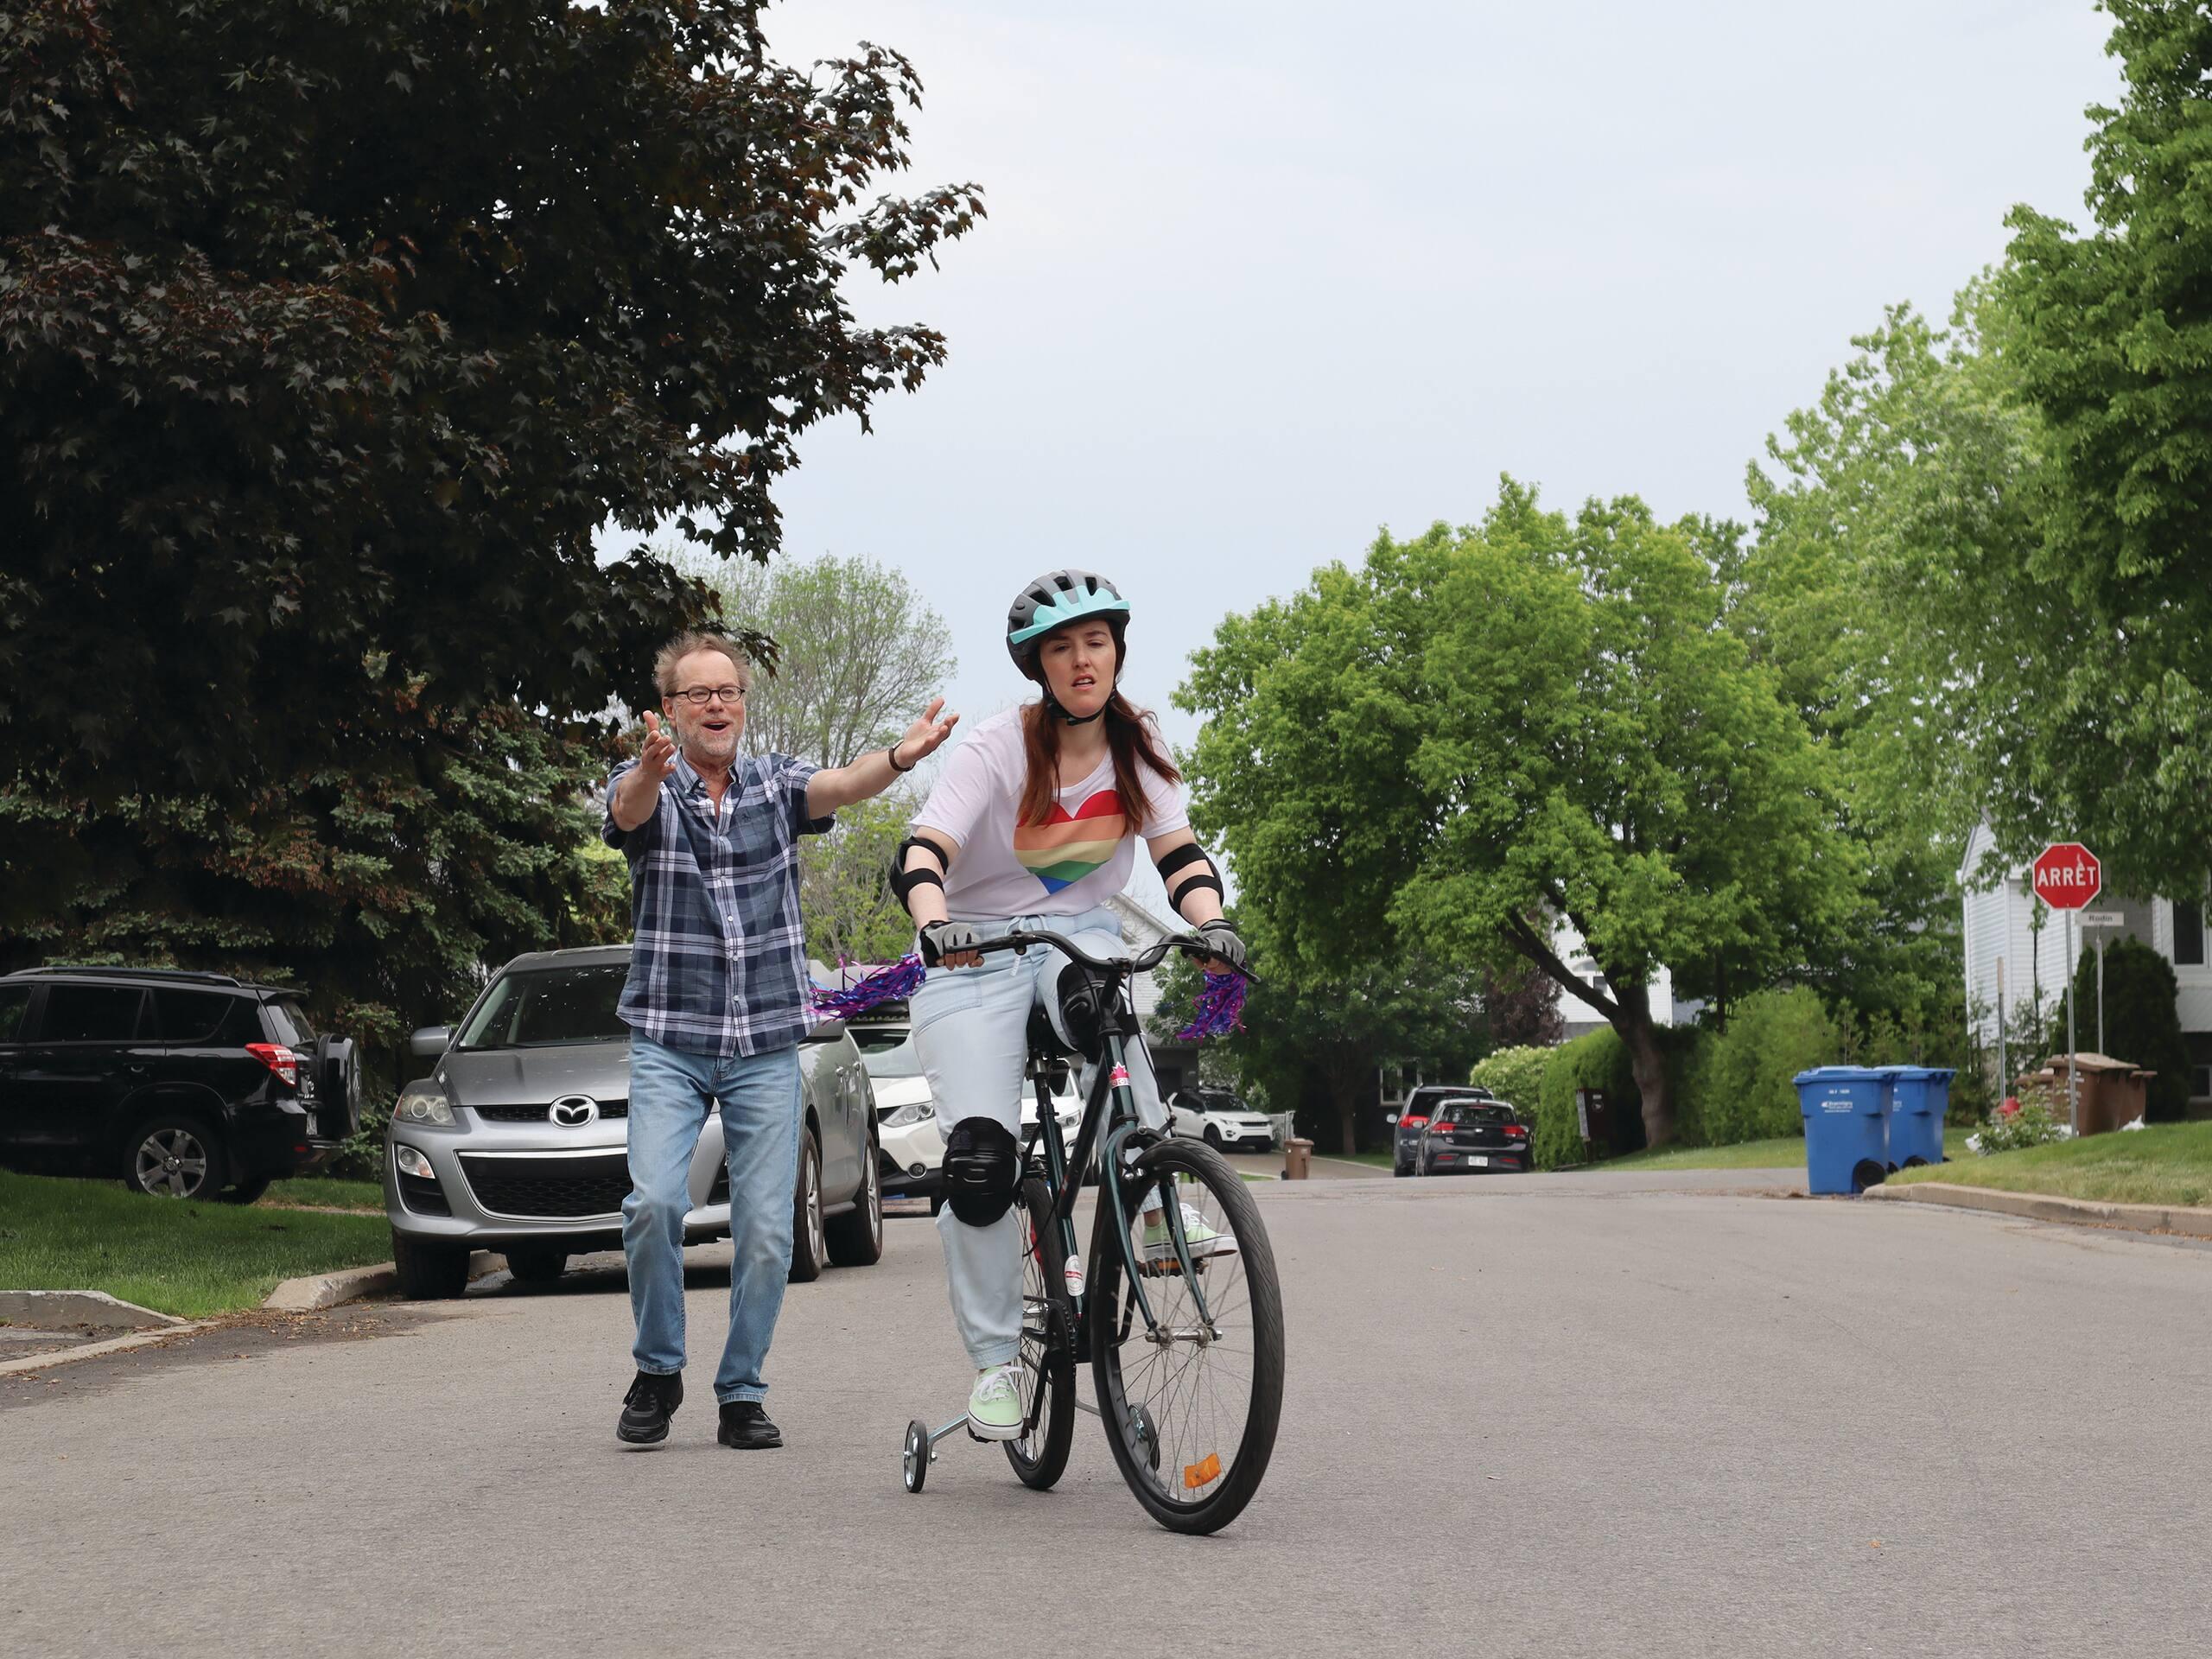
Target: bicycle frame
1111,1103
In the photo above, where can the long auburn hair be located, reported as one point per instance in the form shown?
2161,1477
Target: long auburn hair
1130,737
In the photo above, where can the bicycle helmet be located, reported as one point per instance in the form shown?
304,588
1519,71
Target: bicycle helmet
1055,600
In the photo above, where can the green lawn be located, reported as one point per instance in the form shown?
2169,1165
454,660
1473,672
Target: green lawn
314,1191
2166,1163
189,1259
1785,1152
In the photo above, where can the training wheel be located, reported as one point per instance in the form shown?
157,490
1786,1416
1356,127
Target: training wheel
915,1460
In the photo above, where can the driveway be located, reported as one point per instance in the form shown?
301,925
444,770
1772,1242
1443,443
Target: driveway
1521,1420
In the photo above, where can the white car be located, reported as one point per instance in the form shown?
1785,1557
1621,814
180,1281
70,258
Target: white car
908,1128
1219,1119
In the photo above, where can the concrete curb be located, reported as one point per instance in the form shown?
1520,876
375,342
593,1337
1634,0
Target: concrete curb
2037,1206
49,1309
94,1350
318,1291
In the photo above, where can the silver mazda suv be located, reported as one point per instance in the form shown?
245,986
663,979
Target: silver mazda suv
518,1141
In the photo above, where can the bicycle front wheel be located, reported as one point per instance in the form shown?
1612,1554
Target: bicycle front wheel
1047,1346
1192,1396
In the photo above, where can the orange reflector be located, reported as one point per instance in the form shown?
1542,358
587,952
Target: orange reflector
1196,1475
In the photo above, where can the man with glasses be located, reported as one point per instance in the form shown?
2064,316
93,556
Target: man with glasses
717,1002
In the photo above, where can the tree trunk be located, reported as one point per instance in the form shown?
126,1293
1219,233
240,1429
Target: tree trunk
1345,1091
1647,1062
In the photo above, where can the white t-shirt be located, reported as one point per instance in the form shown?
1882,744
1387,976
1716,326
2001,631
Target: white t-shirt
1072,864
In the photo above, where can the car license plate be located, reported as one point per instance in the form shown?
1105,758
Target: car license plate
1478,1159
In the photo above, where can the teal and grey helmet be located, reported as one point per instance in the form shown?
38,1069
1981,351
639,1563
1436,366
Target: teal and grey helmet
1055,600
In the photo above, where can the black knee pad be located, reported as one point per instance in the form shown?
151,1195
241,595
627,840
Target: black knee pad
1083,993
982,1170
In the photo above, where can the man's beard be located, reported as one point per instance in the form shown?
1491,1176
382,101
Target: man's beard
715,748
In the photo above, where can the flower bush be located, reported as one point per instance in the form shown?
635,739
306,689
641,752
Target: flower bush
2028,1119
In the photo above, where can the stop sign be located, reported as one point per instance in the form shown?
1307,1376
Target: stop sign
2067,876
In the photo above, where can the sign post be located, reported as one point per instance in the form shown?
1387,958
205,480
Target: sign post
2066,877
2102,920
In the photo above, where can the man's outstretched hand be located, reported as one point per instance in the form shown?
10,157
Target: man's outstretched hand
924,737
657,759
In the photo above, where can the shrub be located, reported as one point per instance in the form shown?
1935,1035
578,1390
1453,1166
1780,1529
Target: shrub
2031,1120
1516,1075
1597,1061
1736,1083
2142,1024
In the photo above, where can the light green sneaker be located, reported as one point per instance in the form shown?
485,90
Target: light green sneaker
1160,1243
994,1403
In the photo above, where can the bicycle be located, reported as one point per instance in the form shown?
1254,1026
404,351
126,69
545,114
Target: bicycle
1190,1401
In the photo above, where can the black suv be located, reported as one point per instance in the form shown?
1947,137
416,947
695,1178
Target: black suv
184,1085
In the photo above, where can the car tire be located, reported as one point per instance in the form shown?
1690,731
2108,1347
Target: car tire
855,1238
179,1139
810,1245
531,1265
245,1192
1213,1137
430,1272
1399,1169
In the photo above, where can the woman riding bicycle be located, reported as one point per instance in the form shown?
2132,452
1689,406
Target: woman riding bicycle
1034,822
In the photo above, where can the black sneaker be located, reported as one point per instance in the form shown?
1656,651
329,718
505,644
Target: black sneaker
746,1425
652,1400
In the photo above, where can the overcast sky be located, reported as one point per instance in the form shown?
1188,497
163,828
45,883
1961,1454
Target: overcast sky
1260,278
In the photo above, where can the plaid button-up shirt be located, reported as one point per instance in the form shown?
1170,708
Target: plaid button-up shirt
718,965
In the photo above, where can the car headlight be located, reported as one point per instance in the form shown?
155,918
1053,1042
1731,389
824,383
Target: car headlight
412,1162
914,1111
424,1105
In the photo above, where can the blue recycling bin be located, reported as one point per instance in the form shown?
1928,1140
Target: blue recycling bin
1846,1139
1919,1096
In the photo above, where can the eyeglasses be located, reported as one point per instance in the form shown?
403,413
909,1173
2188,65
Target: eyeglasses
700,695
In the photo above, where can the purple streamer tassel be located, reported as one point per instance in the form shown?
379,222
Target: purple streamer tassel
901,979
1221,1000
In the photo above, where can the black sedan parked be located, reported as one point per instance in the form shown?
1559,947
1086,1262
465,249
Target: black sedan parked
1472,1135
1421,1106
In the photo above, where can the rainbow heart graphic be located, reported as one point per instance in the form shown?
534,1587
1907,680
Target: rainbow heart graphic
1068,846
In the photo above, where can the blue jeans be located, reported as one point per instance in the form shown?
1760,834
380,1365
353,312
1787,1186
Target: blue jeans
670,1093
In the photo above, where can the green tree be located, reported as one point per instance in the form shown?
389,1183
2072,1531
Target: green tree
858,655
380,890
1849,522
1313,1041
2019,499
2142,1021
1532,716
332,335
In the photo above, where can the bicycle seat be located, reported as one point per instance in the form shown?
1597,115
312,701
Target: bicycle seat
1043,1039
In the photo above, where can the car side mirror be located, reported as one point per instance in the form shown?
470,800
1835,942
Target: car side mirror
430,1042
1391,1118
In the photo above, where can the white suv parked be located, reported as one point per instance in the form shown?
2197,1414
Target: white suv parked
1219,1119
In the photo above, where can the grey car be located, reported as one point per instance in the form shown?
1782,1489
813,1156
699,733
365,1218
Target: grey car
518,1141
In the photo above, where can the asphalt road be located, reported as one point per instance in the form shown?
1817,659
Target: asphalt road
1593,1416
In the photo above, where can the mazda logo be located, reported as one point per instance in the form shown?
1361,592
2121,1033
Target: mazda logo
574,1111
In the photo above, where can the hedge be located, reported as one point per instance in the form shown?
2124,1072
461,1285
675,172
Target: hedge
1599,1060
1736,1083
1515,1075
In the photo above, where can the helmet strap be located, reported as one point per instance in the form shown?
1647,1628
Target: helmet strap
1053,707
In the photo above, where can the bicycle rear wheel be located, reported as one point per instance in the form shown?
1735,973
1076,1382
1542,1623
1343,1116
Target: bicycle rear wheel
1047,1346
1191,1412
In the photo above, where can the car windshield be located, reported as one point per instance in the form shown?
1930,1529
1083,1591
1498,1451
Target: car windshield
1474,1112
1213,1102
544,1008
887,1051
1425,1104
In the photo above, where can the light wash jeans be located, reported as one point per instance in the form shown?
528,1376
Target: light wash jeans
759,1094
971,1029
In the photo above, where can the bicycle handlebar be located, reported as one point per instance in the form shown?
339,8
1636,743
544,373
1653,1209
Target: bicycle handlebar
1151,956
